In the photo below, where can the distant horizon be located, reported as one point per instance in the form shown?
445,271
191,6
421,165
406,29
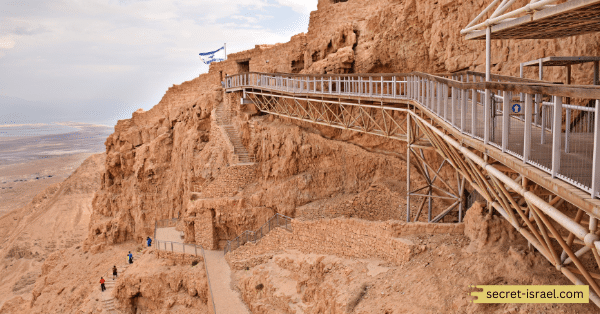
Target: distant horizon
49,129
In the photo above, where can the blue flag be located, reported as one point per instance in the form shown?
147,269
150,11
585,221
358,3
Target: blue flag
210,57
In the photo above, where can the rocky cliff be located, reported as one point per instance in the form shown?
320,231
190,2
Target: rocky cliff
175,160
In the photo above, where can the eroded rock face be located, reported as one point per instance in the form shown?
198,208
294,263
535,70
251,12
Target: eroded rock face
167,285
292,283
156,159
486,231
387,36
153,161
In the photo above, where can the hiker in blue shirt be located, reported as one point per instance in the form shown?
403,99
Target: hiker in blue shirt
149,240
130,257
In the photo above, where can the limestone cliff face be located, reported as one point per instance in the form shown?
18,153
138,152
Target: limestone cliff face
157,160
395,36
153,160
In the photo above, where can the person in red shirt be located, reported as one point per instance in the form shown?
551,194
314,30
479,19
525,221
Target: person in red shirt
102,284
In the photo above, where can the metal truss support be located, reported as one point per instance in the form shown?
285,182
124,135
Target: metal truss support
568,239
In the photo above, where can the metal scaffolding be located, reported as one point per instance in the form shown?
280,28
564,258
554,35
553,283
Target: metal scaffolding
517,163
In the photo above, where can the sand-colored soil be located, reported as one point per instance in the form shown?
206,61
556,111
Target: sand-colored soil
21,182
55,220
436,280
30,164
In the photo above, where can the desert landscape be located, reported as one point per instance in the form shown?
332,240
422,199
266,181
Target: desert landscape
201,168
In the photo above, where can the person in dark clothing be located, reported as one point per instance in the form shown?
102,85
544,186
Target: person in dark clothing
102,284
130,256
149,240
114,272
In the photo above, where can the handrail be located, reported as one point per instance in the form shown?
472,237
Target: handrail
513,84
445,96
196,246
463,72
278,220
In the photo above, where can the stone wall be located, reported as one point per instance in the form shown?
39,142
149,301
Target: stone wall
204,230
342,237
180,258
229,181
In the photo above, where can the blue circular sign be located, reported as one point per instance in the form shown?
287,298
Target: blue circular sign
516,108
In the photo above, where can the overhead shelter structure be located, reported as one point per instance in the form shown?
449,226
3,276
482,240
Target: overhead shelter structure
540,19
537,20
566,62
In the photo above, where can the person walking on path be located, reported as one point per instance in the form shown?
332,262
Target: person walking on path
130,257
149,240
114,272
102,284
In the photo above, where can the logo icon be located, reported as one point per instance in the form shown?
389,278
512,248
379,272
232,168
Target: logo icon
516,108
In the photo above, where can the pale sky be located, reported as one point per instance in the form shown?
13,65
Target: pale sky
100,60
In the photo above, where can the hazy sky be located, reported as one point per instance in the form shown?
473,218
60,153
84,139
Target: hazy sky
100,60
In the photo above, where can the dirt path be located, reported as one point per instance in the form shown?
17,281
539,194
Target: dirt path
168,234
226,299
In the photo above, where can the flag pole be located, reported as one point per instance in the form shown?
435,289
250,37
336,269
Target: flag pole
225,47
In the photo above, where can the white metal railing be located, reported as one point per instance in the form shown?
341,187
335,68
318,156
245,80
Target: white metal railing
571,154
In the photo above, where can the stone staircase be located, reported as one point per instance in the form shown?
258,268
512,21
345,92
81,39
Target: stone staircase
223,118
108,301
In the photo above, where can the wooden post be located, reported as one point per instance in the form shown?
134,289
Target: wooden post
521,70
426,93
360,85
461,195
596,74
408,137
463,110
556,135
506,119
596,158
487,116
445,95
488,53
432,95
394,87
567,129
440,94
527,132
423,91
474,111
453,106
